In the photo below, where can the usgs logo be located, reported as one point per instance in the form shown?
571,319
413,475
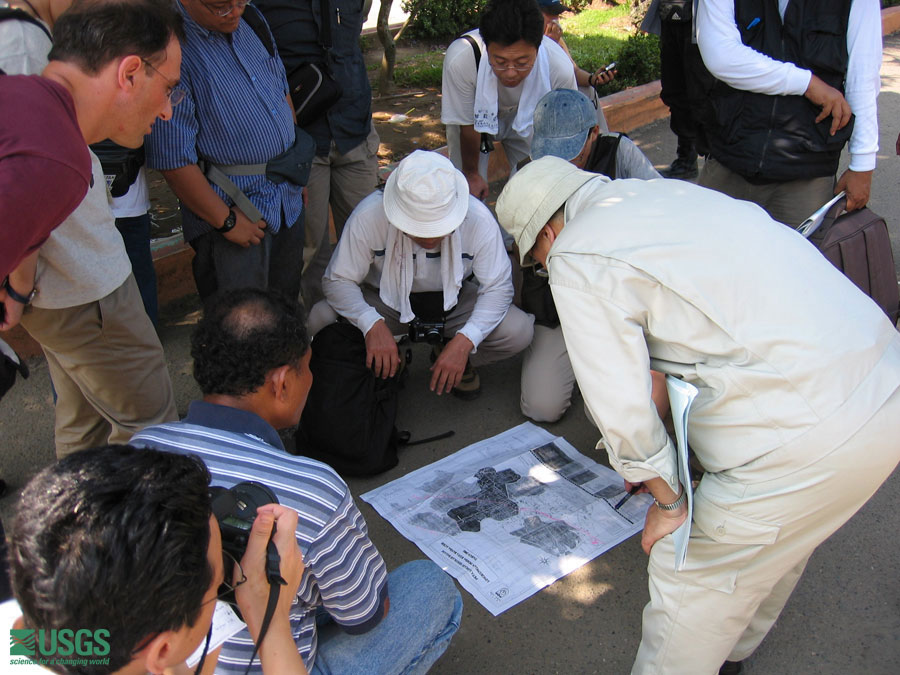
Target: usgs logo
58,642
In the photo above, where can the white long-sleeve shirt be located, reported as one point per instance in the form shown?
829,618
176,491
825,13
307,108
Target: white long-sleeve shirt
742,67
359,258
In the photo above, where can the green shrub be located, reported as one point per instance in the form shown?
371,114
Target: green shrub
637,63
442,19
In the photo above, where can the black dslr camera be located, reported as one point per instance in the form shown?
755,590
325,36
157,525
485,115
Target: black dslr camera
428,326
235,511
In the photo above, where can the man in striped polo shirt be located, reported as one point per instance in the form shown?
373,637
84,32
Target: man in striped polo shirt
251,360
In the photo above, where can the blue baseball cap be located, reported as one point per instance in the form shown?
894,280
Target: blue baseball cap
553,7
562,120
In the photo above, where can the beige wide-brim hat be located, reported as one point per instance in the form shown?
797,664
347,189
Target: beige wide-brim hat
426,196
534,194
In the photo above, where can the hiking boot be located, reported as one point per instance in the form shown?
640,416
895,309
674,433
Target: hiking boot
685,164
682,168
469,386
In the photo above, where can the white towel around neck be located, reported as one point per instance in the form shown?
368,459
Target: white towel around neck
398,272
535,85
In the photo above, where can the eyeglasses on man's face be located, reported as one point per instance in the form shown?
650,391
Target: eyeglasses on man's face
222,9
226,590
174,93
501,65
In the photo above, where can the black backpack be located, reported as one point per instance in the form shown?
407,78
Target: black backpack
348,421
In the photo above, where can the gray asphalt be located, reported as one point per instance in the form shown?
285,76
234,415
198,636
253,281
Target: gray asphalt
844,617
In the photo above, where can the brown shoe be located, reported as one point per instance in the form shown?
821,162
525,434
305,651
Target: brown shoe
469,386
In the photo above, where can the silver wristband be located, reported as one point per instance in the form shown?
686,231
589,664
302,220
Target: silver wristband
674,506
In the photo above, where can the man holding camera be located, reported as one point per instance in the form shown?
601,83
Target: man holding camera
216,151
116,561
251,360
410,257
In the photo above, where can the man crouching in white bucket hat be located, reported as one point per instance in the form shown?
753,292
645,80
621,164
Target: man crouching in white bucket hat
798,412
412,255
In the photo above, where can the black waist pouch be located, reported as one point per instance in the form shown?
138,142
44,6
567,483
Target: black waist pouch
293,164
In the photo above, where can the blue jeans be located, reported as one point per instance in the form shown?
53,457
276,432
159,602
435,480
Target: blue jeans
135,233
425,610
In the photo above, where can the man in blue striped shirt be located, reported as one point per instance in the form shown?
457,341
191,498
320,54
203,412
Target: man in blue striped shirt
236,116
251,360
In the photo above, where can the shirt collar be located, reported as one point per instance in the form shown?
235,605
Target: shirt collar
192,26
226,418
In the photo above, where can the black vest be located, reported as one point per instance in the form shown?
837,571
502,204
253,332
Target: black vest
775,138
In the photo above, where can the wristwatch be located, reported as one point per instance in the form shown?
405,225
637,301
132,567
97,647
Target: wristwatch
674,506
230,222
18,297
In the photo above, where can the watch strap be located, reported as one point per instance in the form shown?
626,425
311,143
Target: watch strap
674,506
18,297
230,222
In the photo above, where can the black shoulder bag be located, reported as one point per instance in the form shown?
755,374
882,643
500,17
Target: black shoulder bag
312,87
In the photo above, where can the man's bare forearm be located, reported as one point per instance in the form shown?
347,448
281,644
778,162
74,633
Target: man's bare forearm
469,149
191,187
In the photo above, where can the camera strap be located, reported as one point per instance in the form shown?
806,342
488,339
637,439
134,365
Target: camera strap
276,581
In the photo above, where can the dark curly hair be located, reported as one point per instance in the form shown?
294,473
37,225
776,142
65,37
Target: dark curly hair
505,22
114,538
243,335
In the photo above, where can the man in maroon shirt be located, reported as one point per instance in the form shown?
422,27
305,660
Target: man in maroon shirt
114,69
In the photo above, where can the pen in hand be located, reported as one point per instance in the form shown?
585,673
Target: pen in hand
631,493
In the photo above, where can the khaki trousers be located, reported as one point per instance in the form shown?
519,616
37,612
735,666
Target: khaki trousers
341,182
108,369
750,541
790,202
547,376
512,334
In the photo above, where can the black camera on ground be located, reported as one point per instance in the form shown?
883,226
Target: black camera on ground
235,511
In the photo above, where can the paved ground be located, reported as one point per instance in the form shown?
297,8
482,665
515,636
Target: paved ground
844,618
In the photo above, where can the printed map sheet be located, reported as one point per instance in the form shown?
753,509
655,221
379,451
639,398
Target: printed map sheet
511,514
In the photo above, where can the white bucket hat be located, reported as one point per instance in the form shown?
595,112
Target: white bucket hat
426,196
534,194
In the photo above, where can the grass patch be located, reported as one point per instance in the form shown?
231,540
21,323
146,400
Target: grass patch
421,70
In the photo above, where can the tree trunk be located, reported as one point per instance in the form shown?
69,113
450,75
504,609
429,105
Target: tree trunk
386,74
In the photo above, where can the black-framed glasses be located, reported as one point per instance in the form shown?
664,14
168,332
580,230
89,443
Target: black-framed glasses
226,590
501,67
221,10
174,93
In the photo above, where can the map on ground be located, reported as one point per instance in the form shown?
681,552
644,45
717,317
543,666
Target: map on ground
510,515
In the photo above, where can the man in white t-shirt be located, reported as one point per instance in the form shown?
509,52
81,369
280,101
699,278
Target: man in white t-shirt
426,238
492,80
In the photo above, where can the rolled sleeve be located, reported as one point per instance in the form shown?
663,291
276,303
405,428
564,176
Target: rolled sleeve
609,355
